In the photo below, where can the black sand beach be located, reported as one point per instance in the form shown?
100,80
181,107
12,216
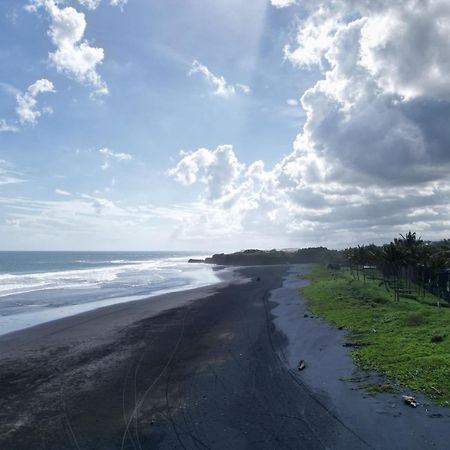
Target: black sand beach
211,368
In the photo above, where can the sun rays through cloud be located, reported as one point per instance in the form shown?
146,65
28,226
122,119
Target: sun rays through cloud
306,121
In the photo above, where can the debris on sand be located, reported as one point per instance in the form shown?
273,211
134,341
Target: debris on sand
438,392
410,400
301,365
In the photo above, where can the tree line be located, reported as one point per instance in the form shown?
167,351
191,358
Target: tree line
408,265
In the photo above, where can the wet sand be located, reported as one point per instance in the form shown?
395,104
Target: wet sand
208,368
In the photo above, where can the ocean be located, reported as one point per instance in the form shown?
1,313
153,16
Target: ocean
36,287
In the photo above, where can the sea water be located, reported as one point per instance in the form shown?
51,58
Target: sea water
36,287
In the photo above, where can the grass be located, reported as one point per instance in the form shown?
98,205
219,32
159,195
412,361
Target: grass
374,389
405,340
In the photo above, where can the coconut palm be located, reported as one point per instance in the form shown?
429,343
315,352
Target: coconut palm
393,257
438,263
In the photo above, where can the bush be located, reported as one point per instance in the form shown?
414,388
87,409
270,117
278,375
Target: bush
380,300
414,319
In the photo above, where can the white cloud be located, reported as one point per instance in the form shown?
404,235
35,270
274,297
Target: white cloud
119,3
217,169
27,102
5,126
117,156
218,83
73,56
292,102
372,159
378,79
62,192
111,155
90,4
406,48
295,203
282,3
314,38
93,4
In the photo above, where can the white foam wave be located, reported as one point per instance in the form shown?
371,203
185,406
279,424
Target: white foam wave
84,278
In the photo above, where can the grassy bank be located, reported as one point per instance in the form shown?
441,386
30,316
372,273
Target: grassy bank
408,340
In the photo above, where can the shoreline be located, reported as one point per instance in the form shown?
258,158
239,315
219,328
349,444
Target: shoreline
212,367
333,380
124,313
84,374
22,321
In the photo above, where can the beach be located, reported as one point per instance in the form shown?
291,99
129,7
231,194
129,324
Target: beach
213,367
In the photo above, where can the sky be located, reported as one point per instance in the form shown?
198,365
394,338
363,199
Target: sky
221,124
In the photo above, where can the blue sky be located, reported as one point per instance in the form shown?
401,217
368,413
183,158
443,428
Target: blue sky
83,169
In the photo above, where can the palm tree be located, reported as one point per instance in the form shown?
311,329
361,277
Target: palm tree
350,255
438,263
393,257
410,245
361,258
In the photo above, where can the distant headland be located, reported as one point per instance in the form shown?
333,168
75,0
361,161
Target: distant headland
253,257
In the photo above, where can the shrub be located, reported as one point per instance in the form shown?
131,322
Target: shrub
414,319
380,300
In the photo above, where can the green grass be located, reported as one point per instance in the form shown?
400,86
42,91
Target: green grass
374,389
408,340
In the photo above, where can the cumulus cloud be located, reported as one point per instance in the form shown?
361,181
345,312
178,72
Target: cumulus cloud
314,38
377,113
370,161
294,203
27,102
220,86
406,48
372,158
217,169
74,56
109,155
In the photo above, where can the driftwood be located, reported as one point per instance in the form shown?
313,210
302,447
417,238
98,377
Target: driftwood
437,391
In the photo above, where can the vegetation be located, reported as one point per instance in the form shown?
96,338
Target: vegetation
406,340
408,266
381,387
264,257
